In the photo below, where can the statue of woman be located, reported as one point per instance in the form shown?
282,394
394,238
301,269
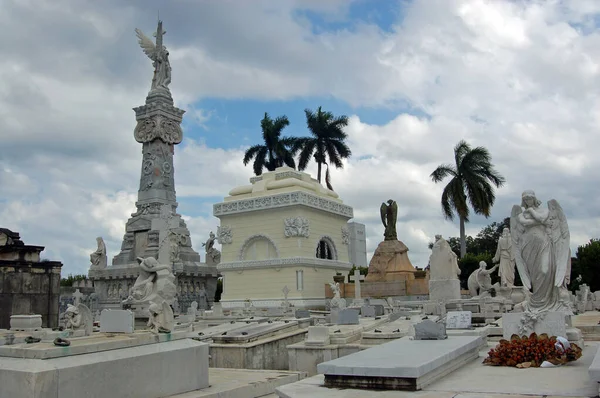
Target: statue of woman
541,246
98,258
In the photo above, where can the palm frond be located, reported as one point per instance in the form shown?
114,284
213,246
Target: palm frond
251,153
443,171
306,153
260,160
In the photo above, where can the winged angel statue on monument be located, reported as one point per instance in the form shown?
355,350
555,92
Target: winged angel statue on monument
389,215
159,56
541,242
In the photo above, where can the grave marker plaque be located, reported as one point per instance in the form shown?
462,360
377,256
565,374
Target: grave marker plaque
458,320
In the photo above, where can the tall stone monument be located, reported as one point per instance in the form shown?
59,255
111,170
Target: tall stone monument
155,229
390,261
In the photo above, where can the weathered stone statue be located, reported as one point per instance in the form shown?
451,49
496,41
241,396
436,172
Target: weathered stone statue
212,253
389,215
159,56
505,256
98,258
480,281
443,262
444,284
541,242
202,299
155,281
79,317
161,318
336,301
390,261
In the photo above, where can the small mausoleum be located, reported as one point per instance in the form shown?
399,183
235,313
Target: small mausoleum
283,230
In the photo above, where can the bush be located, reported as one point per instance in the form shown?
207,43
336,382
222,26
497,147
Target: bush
363,271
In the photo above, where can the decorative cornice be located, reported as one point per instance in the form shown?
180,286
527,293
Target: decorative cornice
131,271
283,263
282,200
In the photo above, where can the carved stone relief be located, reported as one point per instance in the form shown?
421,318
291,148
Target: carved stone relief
345,236
296,227
224,234
158,127
157,166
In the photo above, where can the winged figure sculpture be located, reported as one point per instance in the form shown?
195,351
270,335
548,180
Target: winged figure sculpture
389,215
159,56
541,243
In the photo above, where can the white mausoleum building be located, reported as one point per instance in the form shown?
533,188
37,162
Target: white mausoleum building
284,229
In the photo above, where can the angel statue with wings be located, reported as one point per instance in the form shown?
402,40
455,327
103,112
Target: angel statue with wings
159,56
541,247
389,214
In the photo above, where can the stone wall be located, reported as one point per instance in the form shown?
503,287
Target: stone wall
29,288
27,285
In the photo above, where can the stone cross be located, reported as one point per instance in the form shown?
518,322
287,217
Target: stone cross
164,224
357,278
77,296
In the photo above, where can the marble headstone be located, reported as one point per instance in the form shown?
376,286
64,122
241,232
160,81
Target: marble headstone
117,321
458,320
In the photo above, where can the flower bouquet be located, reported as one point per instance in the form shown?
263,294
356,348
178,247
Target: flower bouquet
532,351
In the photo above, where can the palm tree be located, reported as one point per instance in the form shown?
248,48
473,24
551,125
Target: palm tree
276,151
326,144
472,177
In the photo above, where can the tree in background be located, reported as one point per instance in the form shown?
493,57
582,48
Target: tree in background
276,151
68,281
473,177
363,271
327,144
587,264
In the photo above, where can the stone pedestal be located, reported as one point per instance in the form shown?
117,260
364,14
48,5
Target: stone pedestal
521,324
444,290
390,262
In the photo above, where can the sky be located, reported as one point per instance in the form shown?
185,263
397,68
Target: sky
414,78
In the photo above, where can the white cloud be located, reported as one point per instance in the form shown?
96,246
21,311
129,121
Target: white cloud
520,78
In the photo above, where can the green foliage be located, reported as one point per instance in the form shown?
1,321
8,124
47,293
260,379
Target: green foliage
587,264
276,151
68,281
363,271
327,144
219,290
473,178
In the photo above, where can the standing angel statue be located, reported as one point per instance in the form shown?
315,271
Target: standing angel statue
159,56
389,215
541,247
